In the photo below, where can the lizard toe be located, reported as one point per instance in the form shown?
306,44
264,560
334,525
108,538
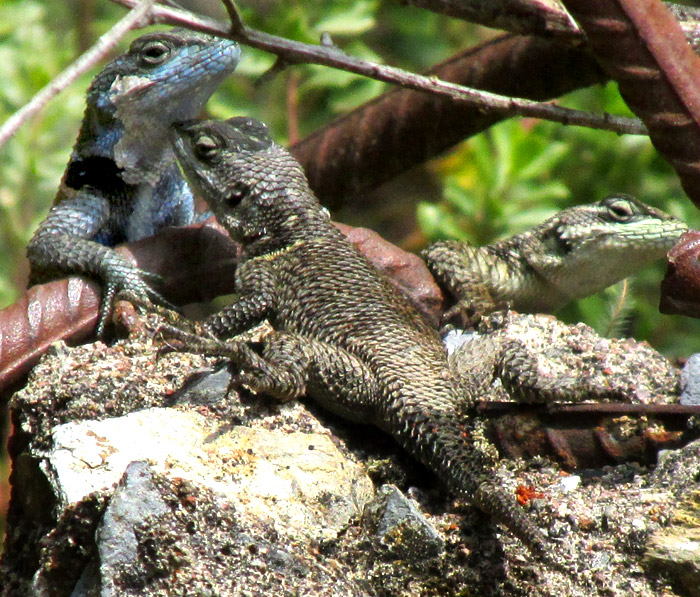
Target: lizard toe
108,297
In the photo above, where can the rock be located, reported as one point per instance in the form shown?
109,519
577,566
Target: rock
300,482
536,357
129,480
675,551
690,380
94,414
569,483
208,388
61,567
679,472
135,502
516,365
400,527
191,542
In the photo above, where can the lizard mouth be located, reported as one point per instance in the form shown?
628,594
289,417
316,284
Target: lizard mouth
125,87
182,136
183,127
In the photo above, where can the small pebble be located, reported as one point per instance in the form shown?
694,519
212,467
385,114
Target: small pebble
600,560
638,524
570,483
455,338
689,546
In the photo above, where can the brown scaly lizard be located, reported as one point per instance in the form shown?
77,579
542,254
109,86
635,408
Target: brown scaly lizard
341,333
573,254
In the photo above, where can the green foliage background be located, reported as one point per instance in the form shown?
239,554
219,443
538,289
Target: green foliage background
496,184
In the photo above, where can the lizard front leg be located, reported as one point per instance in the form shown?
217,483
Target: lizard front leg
60,246
257,296
456,267
293,365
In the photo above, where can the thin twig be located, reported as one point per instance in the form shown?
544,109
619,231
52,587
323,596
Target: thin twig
84,63
297,52
293,107
235,18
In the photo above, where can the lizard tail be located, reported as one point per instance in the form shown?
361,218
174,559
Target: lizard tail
494,501
468,465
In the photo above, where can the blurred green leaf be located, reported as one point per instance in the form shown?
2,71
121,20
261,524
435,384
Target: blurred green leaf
353,19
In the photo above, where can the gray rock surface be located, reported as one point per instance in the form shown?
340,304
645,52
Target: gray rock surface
193,543
675,550
541,353
134,503
690,380
400,526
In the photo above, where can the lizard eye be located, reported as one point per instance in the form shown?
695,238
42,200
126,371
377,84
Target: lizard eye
620,210
206,147
154,53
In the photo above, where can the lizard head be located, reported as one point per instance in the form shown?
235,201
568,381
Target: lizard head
588,247
180,68
254,186
620,221
164,77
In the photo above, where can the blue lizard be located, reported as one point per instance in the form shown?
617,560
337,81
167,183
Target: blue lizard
122,182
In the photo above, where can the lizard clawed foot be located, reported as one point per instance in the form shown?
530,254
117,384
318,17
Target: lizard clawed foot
185,341
200,341
173,318
461,315
489,323
237,350
131,284
138,289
